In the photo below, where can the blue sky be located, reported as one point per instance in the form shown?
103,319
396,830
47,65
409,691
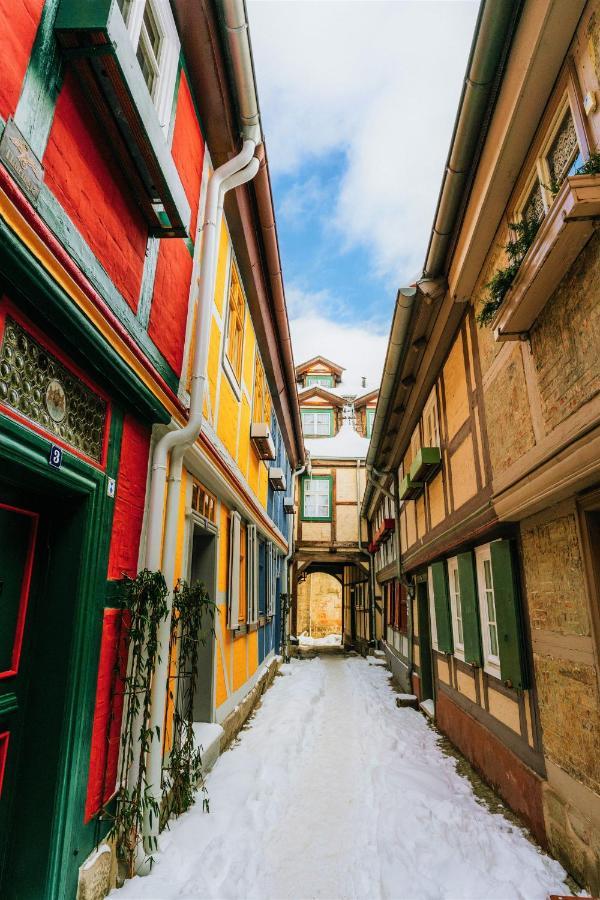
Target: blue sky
358,99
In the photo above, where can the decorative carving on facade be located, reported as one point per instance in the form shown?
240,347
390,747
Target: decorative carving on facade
36,385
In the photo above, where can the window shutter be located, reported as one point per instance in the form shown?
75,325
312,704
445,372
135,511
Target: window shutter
513,661
439,578
252,575
233,594
469,603
271,576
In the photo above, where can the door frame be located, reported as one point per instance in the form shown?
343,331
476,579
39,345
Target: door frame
198,524
29,452
425,646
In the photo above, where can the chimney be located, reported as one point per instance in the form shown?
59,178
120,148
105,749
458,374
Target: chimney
363,381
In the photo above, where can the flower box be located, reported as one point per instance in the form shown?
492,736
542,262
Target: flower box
409,489
562,235
425,464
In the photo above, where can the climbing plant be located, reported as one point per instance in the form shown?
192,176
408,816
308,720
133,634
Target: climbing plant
192,625
145,603
522,235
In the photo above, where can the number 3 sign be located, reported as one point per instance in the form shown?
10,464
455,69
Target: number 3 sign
55,458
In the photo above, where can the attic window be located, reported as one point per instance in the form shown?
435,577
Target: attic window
321,380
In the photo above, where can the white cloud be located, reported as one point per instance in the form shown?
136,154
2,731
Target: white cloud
379,81
359,349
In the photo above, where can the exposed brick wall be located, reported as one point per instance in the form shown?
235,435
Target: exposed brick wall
20,22
516,783
509,428
108,712
168,314
554,576
319,605
86,180
129,501
566,338
570,716
188,149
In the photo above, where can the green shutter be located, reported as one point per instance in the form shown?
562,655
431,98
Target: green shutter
441,601
513,665
470,608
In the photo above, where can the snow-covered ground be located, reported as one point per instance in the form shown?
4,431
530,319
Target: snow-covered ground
331,640
334,792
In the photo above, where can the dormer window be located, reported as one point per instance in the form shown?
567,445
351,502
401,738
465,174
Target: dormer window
321,380
370,420
317,423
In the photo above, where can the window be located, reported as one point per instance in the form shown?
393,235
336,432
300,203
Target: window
317,423
316,498
455,605
487,610
323,380
235,325
560,155
261,409
155,40
370,419
431,434
432,618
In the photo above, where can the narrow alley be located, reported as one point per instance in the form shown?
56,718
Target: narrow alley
312,801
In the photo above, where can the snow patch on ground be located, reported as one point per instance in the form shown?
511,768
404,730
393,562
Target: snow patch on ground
331,640
334,792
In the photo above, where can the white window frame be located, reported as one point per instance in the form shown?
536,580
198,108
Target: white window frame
431,409
456,607
252,575
162,97
432,616
319,382
308,493
314,413
369,414
491,662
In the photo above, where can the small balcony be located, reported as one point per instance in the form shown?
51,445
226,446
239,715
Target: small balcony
563,234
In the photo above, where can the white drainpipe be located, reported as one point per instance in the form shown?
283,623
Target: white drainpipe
233,173
287,560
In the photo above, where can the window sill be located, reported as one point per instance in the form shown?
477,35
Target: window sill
563,233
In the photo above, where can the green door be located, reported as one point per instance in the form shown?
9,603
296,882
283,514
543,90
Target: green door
18,552
40,558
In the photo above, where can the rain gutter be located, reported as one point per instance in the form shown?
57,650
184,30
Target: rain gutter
493,33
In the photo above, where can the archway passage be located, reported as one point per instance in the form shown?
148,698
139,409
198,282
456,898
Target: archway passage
319,605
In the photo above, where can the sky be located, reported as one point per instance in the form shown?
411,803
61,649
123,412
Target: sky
358,99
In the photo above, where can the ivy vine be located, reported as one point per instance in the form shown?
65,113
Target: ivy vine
522,235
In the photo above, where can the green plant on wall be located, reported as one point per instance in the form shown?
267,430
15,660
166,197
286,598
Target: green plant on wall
522,236
191,626
591,166
145,600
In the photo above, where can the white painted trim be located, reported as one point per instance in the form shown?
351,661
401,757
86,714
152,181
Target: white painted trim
459,647
491,663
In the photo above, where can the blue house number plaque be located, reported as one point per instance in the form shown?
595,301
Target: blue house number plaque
55,458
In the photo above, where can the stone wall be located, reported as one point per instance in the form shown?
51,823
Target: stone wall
567,688
566,338
319,605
